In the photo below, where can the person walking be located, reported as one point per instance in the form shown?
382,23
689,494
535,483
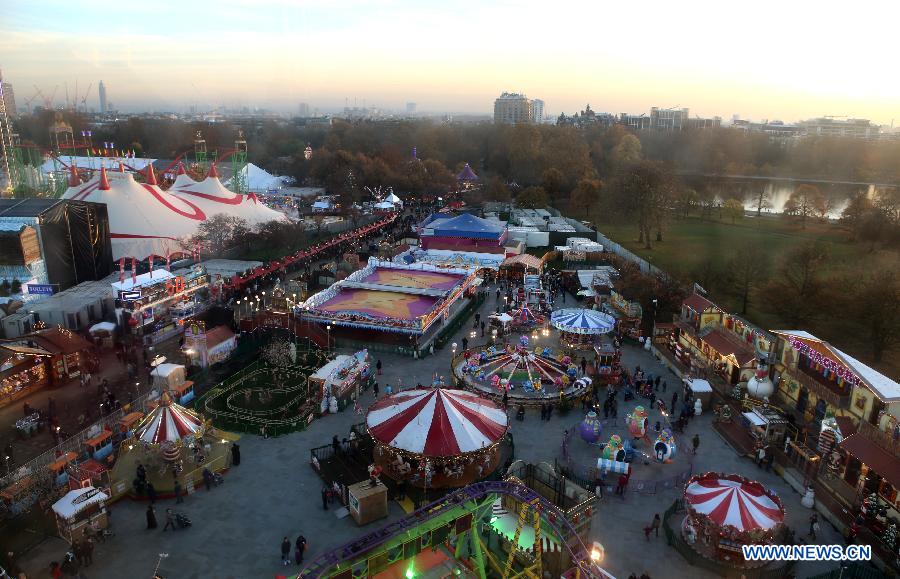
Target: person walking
378,366
674,402
375,390
325,493
235,454
813,525
151,517
285,552
299,549
465,343
760,456
179,497
665,385
695,443
170,520
656,524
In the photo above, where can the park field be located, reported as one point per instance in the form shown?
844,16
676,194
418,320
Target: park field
690,242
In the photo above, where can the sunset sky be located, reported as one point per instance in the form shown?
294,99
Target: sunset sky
764,59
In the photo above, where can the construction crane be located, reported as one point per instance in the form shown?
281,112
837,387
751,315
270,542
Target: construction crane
84,98
30,100
48,102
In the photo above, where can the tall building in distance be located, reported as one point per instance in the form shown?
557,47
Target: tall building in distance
538,106
103,103
410,109
669,119
512,108
303,110
9,99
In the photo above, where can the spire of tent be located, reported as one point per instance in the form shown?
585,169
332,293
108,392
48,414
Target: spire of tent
121,167
104,180
74,180
180,170
151,176
213,173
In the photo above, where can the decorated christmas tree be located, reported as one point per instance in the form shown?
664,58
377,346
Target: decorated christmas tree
890,536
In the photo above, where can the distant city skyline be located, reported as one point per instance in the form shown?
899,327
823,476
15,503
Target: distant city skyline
715,58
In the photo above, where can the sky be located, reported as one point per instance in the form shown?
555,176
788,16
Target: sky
785,60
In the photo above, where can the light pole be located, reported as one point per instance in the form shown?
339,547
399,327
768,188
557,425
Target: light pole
328,327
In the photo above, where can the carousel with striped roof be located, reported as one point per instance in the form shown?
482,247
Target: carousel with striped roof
437,437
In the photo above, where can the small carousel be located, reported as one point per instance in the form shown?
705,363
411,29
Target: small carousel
436,437
522,373
172,441
580,328
727,511
526,317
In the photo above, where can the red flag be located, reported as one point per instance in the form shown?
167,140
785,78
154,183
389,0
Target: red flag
151,266
121,269
168,264
133,271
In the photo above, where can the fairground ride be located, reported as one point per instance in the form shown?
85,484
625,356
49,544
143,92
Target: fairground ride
458,521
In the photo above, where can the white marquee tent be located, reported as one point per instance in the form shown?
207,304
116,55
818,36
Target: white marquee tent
146,220
259,180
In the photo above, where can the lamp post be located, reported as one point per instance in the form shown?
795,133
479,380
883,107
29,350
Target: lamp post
328,327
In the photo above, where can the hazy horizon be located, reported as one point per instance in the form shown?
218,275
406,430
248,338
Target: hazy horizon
763,61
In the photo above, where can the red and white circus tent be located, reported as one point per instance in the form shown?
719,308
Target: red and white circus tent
436,422
146,220
168,422
730,500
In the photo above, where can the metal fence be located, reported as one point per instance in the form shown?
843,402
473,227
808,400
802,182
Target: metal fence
611,246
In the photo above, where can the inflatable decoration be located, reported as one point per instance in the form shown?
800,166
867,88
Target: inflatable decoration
547,352
614,449
572,372
590,428
665,447
524,341
637,422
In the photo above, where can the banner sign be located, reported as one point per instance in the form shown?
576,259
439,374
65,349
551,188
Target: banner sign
832,366
44,289
129,296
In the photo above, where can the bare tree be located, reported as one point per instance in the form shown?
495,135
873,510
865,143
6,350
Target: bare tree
806,201
762,199
876,303
749,269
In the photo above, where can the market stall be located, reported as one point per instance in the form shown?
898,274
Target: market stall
701,389
79,510
580,327
23,370
727,511
435,437
341,379
609,368
767,425
103,333
167,376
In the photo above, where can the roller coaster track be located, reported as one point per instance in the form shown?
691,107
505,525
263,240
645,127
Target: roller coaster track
553,516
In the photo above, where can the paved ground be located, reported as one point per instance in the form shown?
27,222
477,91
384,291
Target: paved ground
238,527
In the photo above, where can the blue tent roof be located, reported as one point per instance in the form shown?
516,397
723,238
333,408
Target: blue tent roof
581,321
467,225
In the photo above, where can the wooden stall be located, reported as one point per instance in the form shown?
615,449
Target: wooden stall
81,509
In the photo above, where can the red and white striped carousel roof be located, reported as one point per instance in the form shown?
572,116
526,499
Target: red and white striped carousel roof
168,422
732,500
436,421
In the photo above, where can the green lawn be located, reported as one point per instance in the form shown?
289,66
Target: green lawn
690,242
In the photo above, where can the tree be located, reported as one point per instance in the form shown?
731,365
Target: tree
685,199
762,199
806,201
533,198
748,269
217,232
876,303
586,196
797,292
643,192
734,209
553,181
496,190
627,152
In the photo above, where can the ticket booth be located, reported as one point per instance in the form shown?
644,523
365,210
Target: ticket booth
79,510
60,473
100,446
183,393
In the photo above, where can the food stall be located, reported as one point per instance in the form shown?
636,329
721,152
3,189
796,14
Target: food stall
70,354
608,357
103,333
167,376
767,425
79,510
206,347
22,371
701,389
367,503
342,379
